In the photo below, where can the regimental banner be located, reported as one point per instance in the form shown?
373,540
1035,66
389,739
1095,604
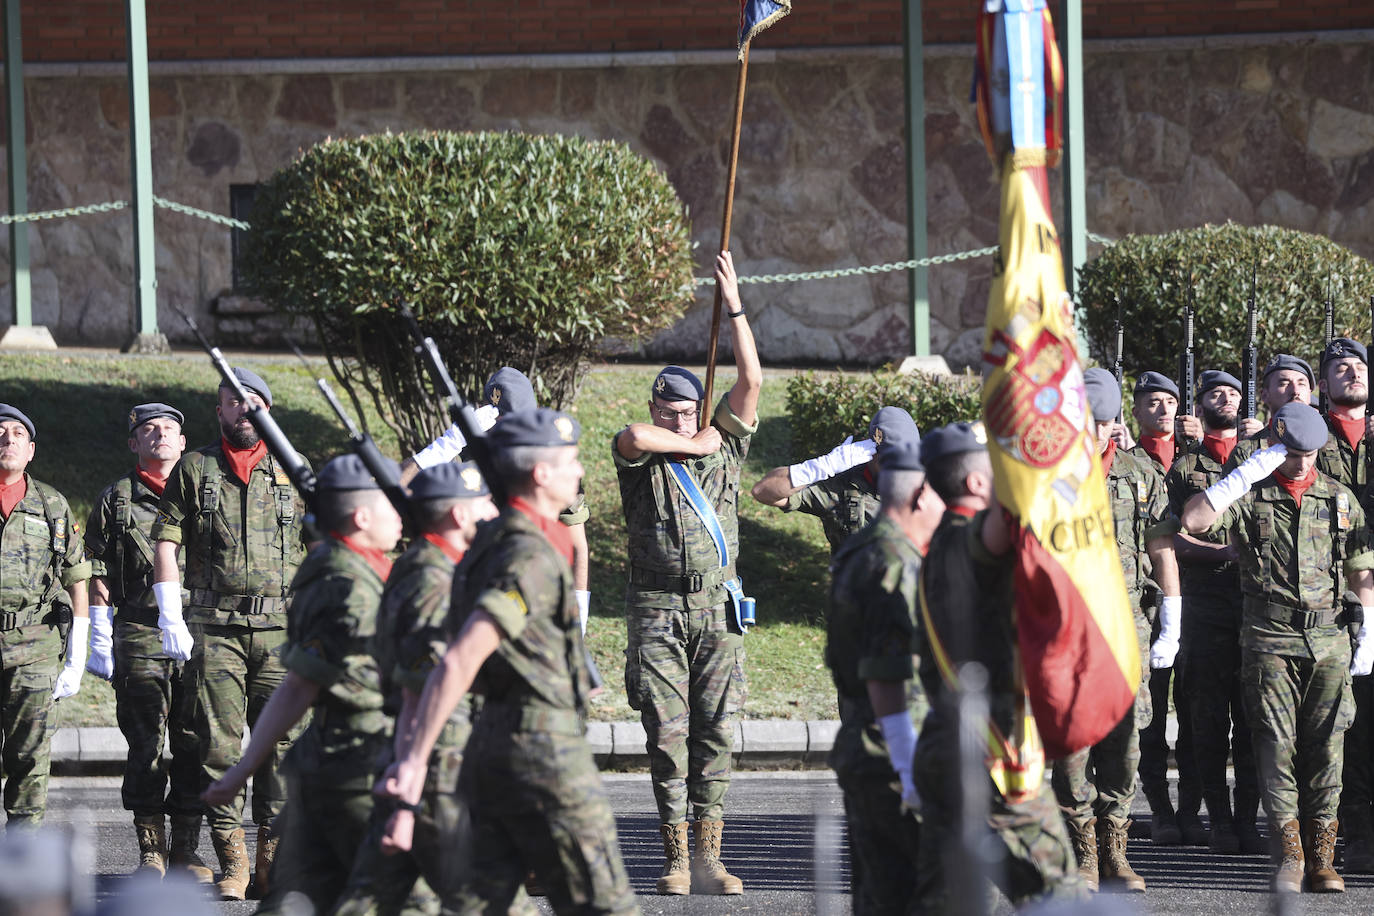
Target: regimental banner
757,15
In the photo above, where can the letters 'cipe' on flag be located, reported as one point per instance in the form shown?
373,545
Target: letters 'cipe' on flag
1075,632
757,15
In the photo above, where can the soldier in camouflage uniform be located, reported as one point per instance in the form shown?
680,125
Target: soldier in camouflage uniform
1301,537
869,651
535,793
1095,786
233,509
449,500
330,668
684,662
965,615
1211,630
151,699
840,487
1286,380
42,590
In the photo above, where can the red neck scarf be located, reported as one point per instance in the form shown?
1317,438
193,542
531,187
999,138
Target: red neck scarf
552,528
1219,447
1352,431
965,511
156,484
1297,487
374,557
11,494
1108,456
243,460
1160,448
453,553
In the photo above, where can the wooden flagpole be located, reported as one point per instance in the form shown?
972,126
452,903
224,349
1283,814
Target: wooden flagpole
704,415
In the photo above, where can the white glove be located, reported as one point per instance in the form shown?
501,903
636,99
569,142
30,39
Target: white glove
1363,662
176,639
842,457
69,681
101,662
900,736
1165,648
1250,472
584,604
450,443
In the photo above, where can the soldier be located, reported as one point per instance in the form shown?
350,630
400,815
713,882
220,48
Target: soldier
1286,380
42,590
840,487
536,796
684,662
1097,804
1301,536
1210,698
869,651
151,697
966,615
233,508
449,500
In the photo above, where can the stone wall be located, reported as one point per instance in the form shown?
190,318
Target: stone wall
1178,134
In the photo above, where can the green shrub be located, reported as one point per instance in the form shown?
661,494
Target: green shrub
823,410
512,250
1151,274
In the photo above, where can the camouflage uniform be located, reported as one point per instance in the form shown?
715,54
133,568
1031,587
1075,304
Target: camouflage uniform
1295,657
42,557
333,764
535,792
241,547
869,637
844,503
684,662
968,596
151,696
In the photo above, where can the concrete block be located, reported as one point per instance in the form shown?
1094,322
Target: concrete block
930,365
66,744
627,743
820,739
103,745
774,736
31,337
149,345
600,739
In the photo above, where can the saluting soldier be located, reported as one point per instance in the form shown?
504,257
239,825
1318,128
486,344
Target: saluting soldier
42,590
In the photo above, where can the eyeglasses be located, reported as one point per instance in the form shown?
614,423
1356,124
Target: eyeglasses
672,416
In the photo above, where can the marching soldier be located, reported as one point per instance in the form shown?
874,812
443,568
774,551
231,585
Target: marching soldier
233,510
1301,537
151,696
1287,379
42,584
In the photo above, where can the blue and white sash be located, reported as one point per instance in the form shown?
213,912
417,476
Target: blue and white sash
691,491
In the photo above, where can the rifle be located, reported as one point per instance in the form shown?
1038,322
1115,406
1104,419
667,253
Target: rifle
271,434
1187,369
1329,330
1118,367
366,450
1250,359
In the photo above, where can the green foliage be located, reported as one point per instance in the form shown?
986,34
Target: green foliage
512,249
825,409
1150,276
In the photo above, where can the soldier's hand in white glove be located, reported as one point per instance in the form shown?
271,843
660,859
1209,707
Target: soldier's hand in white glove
841,458
69,681
1363,662
1250,472
176,638
1165,647
900,736
101,662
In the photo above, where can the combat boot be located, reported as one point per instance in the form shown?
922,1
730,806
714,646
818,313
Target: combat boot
185,840
1247,825
1084,840
708,872
1112,867
1223,839
1163,823
267,851
1189,824
1359,840
233,863
152,844
1288,877
1319,847
677,869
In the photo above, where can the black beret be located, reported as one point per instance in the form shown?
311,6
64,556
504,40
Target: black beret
1154,381
1292,364
1342,347
1215,378
347,472
509,389
253,382
14,413
542,427
1300,427
449,480
954,439
903,457
145,412
1104,394
892,427
675,383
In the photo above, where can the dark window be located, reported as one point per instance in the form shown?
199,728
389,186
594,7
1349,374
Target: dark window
241,197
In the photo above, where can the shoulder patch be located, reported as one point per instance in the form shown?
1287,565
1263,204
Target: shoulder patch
515,596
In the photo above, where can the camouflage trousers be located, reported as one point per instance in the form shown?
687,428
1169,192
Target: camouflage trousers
883,845
684,673
152,702
233,672
1358,772
29,664
1216,708
1299,707
321,830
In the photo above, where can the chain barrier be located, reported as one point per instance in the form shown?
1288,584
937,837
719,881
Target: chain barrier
6,219
203,214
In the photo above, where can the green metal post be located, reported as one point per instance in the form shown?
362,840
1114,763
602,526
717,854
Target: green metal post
913,68
21,292
140,143
1074,239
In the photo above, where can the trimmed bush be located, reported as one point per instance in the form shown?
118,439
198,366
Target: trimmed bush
825,409
511,249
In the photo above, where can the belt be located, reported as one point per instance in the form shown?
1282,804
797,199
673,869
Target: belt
682,584
242,604
146,616
13,620
1297,618
521,717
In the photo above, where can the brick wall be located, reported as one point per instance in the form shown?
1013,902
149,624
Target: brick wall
93,30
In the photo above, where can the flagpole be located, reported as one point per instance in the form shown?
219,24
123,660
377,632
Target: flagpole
706,411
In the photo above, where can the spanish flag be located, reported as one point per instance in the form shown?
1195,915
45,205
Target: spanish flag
1075,632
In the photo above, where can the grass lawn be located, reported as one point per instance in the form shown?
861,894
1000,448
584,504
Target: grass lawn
80,405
